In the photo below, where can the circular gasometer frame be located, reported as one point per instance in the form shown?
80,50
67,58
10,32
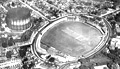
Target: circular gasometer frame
106,33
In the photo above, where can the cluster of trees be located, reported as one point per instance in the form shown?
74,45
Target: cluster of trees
26,36
5,42
114,55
